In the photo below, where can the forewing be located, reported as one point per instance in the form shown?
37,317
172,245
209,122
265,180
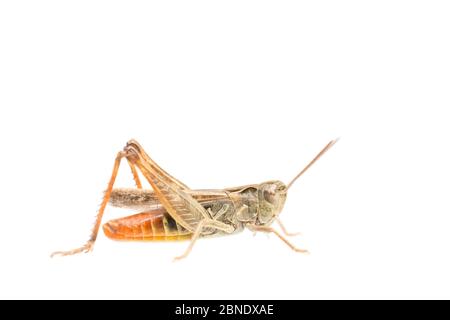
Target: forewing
146,199
136,199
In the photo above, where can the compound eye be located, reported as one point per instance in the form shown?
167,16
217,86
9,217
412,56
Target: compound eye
269,196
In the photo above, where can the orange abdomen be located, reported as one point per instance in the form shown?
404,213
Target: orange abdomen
155,225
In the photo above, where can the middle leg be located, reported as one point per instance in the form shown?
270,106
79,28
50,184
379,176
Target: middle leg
205,224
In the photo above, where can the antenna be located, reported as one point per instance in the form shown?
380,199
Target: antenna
321,153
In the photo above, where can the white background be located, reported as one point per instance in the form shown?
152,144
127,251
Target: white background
222,94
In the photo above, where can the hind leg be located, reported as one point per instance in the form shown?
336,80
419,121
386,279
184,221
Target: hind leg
88,246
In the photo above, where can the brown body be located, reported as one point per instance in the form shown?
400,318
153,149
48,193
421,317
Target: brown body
236,207
172,211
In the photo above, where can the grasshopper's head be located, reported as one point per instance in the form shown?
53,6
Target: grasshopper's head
271,196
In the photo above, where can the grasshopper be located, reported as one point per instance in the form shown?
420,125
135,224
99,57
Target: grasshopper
172,211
